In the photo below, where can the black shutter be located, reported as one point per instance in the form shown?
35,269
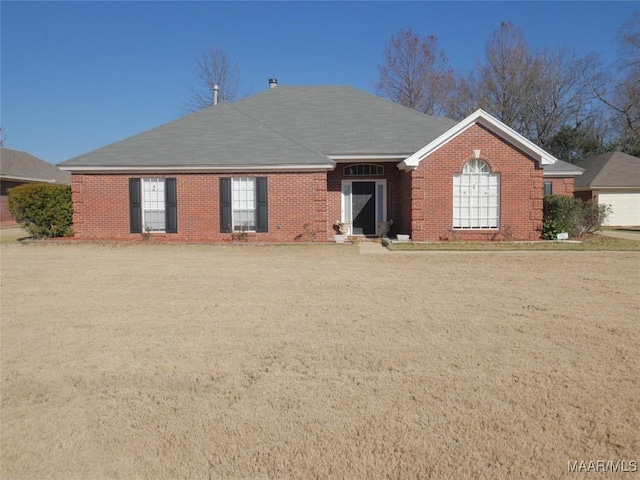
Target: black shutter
262,206
135,206
225,205
171,205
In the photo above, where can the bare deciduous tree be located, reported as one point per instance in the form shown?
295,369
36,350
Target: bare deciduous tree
415,73
502,79
214,67
618,87
536,93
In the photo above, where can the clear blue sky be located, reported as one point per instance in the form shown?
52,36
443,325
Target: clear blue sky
80,75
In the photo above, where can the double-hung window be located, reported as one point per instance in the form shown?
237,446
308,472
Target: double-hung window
476,197
153,205
244,205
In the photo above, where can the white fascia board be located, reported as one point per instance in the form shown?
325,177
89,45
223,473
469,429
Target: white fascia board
201,169
494,125
27,179
566,173
387,157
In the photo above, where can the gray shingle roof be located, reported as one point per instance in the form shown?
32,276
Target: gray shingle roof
17,165
279,126
561,167
613,169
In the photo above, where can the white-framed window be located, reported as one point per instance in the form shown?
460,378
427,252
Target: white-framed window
476,197
153,205
243,194
363,170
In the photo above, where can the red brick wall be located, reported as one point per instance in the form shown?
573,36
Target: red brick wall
297,207
404,227
420,202
5,217
561,186
520,189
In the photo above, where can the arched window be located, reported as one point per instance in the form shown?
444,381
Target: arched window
476,197
363,170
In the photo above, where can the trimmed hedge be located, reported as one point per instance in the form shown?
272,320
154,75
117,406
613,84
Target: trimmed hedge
43,210
571,215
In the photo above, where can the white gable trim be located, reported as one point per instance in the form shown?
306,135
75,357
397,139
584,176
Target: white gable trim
491,123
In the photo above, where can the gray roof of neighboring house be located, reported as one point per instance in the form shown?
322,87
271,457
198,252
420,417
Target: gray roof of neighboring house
613,169
279,126
17,165
561,168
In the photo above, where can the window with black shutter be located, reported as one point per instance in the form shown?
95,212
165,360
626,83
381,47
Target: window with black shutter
153,205
244,205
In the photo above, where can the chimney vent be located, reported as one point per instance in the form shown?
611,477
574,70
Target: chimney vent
215,94
273,82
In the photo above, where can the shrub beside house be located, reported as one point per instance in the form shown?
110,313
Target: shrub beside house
20,168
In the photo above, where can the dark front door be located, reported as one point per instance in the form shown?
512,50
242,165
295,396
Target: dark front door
363,200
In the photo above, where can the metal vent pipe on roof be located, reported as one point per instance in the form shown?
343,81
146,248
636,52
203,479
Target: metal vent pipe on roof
273,82
216,88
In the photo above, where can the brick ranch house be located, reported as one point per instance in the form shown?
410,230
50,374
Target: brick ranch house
287,163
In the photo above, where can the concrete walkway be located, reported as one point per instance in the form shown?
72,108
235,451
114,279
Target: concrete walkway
626,234
373,248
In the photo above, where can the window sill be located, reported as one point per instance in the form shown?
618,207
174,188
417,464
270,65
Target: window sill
475,229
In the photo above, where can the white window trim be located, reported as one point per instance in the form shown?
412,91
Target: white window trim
346,206
498,196
255,205
144,223
364,175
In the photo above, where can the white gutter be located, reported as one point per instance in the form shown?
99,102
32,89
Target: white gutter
200,169
27,179
566,173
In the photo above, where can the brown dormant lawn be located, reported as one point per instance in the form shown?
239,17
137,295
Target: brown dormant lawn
248,362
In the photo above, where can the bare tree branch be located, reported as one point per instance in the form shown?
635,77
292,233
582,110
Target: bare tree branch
415,73
213,67
618,87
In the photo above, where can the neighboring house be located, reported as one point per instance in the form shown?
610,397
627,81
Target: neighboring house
289,162
18,168
614,179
